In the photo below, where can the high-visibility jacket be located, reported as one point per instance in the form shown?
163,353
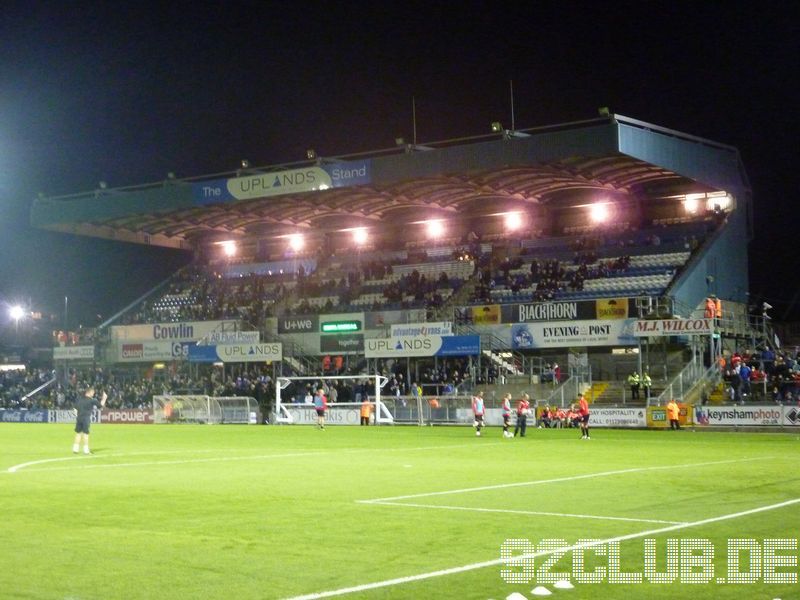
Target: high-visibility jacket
711,309
633,379
673,411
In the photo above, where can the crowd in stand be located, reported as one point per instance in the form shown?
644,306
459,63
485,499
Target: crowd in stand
15,384
206,295
548,276
763,375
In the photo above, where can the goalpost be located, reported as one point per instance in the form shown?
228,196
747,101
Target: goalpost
205,409
340,412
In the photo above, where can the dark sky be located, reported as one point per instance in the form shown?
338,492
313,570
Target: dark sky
125,92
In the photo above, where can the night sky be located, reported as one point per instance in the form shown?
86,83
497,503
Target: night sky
125,94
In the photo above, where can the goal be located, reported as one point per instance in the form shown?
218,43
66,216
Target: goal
205,409
296,411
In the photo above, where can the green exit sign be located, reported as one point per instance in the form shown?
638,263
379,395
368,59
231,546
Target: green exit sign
340,326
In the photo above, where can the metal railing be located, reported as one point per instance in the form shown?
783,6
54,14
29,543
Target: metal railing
679,387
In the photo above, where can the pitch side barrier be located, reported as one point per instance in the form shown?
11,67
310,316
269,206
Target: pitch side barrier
107,415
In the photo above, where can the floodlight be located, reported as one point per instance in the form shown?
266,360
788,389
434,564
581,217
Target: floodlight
360,236
435,229
245,163
599,212
311,154
603,111
103,185
229,248
497,127
171,176
16,312
400,141
296,242
691,204
513,221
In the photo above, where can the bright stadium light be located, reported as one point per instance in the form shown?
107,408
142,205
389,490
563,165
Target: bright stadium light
435,229
360,236
16,312
600,212
296,242
229,248
513,221
692,203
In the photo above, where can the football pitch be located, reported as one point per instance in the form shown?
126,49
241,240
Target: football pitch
192,511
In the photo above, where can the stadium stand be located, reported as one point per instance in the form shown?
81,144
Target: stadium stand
675,208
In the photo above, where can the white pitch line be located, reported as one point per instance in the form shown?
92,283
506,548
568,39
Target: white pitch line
170,462
502,486
78,456
530,512
19,467
503,561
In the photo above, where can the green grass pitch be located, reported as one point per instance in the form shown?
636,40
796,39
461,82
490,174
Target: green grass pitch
273,512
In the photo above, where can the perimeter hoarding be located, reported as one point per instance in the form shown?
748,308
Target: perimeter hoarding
423,345
657,416
618,417
739,416
236,353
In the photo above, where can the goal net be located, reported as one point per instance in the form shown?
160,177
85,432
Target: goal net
205,409
293,397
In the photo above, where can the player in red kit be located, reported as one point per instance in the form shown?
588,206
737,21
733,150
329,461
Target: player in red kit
583,412
523,409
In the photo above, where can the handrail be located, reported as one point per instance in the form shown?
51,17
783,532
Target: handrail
684,382
39,389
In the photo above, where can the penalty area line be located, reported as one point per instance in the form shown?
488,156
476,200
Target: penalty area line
501,486
23,466
514,560
529,512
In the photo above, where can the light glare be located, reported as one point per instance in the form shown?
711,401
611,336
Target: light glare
360,236
296,242
599,212
435,229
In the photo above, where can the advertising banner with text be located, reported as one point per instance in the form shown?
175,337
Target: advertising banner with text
429,345
182,331
562,334
421,329
73,353
126,415
657,416
24,416
738,416
152,351
645,328
236,353
576,310
277,183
